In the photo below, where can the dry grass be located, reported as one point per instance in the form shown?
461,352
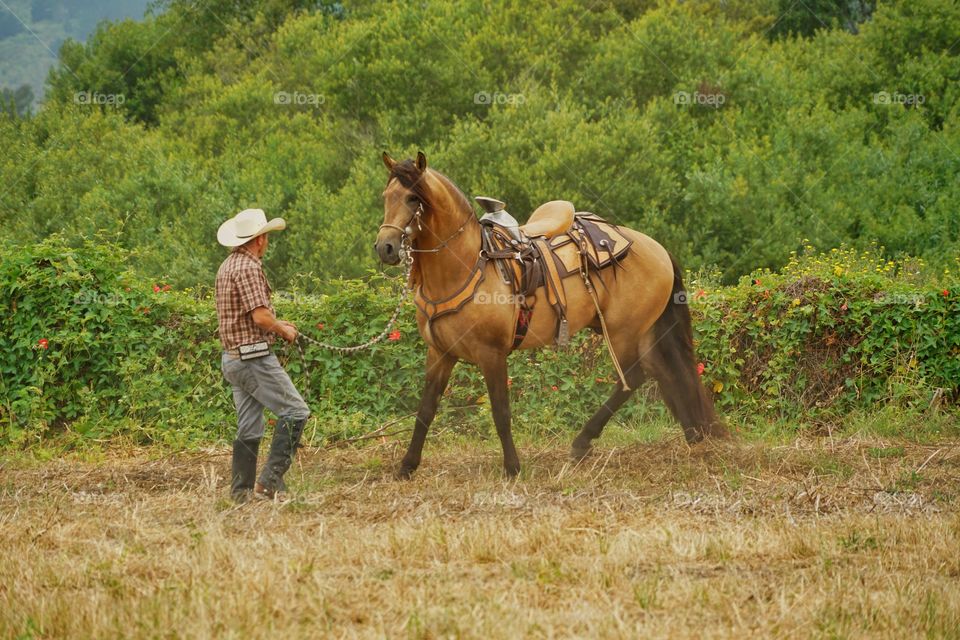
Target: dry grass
832,538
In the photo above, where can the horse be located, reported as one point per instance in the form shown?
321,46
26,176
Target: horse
647,320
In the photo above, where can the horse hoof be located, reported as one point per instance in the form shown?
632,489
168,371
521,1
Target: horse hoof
512,472
579,453
404,473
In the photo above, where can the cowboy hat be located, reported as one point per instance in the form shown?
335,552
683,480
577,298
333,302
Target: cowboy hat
247,225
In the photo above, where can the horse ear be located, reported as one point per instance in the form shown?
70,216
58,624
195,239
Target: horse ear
388,162
421,161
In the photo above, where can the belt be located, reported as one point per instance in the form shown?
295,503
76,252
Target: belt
250,351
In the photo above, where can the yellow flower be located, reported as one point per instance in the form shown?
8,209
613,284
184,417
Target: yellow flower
796,302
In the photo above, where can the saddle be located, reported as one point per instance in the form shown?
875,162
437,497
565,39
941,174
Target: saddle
549,219
556,243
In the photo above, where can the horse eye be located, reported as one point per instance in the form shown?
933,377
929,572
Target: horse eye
413,201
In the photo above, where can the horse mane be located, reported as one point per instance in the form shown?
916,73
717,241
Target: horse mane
407,173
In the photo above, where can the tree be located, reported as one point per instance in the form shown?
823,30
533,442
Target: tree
809,16
17,101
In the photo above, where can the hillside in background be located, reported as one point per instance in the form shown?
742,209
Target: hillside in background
32,31
733,132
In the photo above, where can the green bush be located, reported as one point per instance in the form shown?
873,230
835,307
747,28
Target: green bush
97,352
525,101
830,333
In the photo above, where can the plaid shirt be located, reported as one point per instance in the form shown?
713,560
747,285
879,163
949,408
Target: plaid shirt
241,288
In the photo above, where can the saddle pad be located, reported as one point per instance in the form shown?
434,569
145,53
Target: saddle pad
603,241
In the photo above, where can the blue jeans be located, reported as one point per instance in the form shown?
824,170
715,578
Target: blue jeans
260,383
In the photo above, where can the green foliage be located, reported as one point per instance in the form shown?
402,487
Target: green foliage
32,31
807,17
17,101
729,131
98,352
830,333
688,120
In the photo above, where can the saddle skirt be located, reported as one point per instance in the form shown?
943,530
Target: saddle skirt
604,244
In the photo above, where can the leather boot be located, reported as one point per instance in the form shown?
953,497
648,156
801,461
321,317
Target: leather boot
244,470
286,439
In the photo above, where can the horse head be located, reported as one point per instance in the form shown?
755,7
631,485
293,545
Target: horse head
405,201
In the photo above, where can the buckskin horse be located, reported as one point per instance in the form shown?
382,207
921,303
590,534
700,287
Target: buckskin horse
468,308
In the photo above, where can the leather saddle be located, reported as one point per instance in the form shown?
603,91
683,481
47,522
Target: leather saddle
549,220
555,243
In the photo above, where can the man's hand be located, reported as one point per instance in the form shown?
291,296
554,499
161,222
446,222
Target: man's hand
268,322
287,330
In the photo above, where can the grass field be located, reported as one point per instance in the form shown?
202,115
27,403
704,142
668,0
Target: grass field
830,537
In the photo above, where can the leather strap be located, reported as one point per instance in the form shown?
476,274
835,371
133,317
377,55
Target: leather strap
523,324
554,284
434,309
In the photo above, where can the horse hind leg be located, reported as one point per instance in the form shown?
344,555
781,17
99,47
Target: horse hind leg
594,426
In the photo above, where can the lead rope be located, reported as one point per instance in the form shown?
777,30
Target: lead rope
406,256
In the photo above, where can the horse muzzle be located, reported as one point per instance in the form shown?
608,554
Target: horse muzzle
388,246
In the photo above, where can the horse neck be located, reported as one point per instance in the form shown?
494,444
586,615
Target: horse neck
443,273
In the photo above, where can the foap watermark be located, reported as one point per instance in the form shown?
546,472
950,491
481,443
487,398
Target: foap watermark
911,299
496,97
499,297
296,98
103,99
902,99
692,297
298,298
685,98
107,299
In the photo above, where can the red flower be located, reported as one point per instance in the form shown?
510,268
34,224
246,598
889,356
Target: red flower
156,288
166,287
945,293
700,368
509,382
42,343
757,282
699,294
844,307
394,336
320,326
555,388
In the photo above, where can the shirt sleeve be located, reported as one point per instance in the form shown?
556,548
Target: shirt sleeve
252,289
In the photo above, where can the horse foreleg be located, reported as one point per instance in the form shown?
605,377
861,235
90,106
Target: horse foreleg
439,367
495,374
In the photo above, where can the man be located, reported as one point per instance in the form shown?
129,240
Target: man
248,327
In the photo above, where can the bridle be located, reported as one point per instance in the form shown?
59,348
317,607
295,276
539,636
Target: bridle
417,218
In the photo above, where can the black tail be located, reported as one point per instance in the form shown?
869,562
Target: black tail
675,368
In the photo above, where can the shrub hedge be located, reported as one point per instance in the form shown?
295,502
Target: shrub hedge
95,351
